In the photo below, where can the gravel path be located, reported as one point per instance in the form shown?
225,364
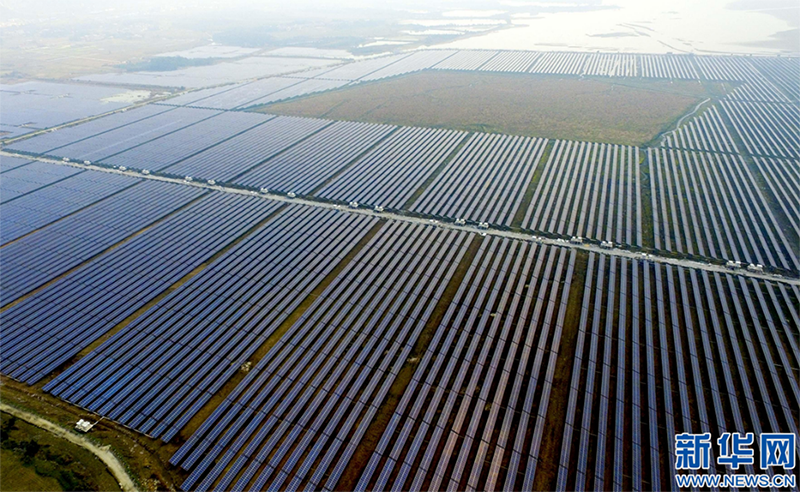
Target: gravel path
114,466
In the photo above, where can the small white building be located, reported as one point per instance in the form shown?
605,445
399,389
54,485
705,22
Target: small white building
83,426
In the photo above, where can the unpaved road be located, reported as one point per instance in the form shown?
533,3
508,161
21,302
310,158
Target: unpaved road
619,250
114,466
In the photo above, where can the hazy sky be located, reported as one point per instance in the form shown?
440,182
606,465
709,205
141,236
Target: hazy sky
655,26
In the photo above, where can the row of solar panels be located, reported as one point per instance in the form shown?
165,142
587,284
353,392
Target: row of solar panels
589,190
766,129
710,205
481,177
474,412
154,375
664,350
305,406
300,414
43,331
706,132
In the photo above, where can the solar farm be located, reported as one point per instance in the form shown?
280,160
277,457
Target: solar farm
33,106
286,303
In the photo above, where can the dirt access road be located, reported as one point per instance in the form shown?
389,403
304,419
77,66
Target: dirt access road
114,466
618,250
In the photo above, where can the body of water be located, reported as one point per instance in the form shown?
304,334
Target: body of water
764,27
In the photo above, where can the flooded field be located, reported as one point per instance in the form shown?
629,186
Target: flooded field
631,26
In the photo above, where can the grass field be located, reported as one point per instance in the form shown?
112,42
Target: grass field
623,111
15,476
35,460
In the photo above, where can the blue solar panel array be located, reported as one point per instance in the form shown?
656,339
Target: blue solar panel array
25,179
485,181
113,142
169,149
306,166
311,399
233,96
47,329
590,190
391,172
39,208
480,325
782,177
766,129
8,163
158,372
189,98
711,205
46,142
54,250
496,348
40,105
229,159
602,336
8,131
663,350
30,106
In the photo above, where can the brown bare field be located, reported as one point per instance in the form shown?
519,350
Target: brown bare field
623,111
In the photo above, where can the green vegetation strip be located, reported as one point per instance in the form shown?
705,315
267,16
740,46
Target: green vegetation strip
52,460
